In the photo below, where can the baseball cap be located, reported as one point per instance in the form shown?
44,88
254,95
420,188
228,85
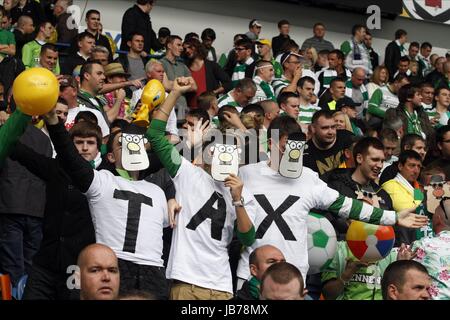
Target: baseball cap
255,22
346,102
264,42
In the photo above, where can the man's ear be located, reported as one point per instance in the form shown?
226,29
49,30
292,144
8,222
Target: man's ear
392,292
111,158
359,158
129,43
253,270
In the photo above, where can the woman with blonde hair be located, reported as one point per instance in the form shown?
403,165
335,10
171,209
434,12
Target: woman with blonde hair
380,78
342,121
311,56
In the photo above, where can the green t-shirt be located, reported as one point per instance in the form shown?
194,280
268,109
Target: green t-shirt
6,37
365,284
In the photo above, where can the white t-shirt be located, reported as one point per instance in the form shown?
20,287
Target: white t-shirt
293,199
100,119
199,253
132,228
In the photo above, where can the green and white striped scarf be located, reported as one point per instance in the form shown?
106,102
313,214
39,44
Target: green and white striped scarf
239,71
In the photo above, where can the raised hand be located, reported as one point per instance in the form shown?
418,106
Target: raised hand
235,184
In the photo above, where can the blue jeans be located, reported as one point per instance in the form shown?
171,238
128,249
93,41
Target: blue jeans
20,238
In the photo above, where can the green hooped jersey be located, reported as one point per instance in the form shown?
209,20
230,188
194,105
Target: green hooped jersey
365,284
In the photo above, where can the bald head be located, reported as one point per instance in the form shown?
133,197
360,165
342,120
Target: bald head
262,258
99,273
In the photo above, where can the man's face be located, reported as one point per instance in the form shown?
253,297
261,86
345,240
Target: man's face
6,22
176,47
28,27
337,90
242,54
398,85
207,42
62,111
68,93
266,72
410,170
96,78
86,45
368,41
389,148
415,287
49,59
87,147
425,52
443,98
256,30
403,66
99,277
358,78
333,61
266,257
360,34
137,44
417,99
351,112
275,291
427,95
440,64
101,57
420,147
47,30
319,31
243,97
157,72
292,63
371,164
274,112
93,22
324,131
444,146
263,49
118,78
115,156
413,52
284,29
189,51
190,121
292,107
307,92
58,9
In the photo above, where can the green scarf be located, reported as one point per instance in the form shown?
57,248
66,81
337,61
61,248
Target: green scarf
253,286
269,93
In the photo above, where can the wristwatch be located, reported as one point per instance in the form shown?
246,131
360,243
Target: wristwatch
239,203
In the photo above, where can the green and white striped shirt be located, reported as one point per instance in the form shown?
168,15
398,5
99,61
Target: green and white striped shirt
306,113
382,100
264,91
239,71
279,84
228,100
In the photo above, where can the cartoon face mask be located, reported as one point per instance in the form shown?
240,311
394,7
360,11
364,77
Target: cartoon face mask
134,156
291,165
225,161
438,189
368,195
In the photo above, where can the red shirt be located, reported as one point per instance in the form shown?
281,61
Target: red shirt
200,79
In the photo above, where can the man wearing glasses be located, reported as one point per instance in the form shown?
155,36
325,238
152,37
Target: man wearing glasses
292,72
245,65
443,143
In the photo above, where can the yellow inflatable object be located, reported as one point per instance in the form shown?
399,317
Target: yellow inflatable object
153,95
36,91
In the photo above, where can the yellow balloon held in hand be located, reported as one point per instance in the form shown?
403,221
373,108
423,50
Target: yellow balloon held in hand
36,91
153,95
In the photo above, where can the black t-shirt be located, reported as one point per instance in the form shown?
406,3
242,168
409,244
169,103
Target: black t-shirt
322,161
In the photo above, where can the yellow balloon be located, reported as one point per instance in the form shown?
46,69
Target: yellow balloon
36,91
153,94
